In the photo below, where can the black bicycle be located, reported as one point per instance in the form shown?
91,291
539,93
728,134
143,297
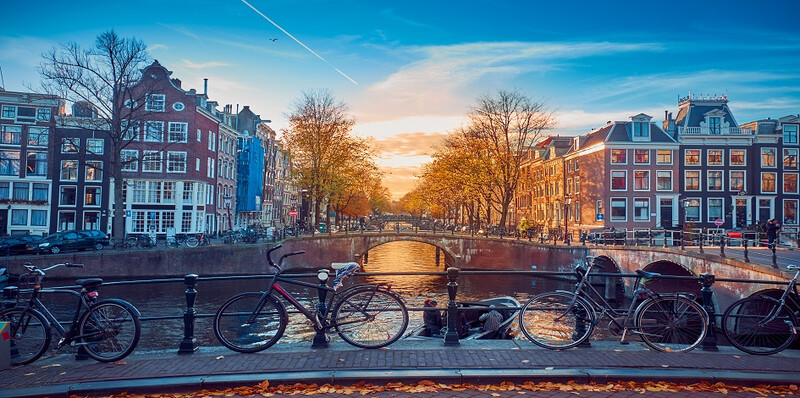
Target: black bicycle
108,329
365,315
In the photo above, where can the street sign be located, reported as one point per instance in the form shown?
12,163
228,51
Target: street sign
599,217
293,213
151,215
718,222
127,213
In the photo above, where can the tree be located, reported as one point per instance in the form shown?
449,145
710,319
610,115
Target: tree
103,77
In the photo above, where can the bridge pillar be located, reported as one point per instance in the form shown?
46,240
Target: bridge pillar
438,256
366,257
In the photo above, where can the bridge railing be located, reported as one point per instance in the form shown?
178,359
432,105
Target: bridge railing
192,284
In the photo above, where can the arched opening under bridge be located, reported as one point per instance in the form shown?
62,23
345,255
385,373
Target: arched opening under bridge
403,252
663,285
612,288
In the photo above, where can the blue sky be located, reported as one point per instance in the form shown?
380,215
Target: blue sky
420,65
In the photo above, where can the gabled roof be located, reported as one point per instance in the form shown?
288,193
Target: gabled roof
691,115
621,132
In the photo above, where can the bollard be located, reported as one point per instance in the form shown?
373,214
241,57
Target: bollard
746,256
451,337
683,244
774,256
320,337
700,242
665,238
567,239
189,343
722,247
710,342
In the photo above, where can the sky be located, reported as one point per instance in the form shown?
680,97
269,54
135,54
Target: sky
410,71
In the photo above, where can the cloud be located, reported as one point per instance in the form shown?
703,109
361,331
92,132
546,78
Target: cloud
181,30
154,47
24,50
385,128
400,180
409,144
204,65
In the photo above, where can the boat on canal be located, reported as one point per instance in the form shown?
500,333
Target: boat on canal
507,306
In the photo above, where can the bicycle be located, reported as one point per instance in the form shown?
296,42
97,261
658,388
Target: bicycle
146,242
107,329
230,238
365,315
563,319
197,240
175,241
764,325
125,244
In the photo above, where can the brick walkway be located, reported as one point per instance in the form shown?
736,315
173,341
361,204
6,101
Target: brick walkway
474,362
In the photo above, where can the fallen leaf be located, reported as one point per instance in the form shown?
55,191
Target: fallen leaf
736,356
62,373
220,357
526,361
51,366
29,374
549,368
120,363
664,366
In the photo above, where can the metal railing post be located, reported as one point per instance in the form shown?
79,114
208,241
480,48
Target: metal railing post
722,246
320,337
700,241
665,238
189,343
710,342
683,244
650,233
451,337
774,255
746,255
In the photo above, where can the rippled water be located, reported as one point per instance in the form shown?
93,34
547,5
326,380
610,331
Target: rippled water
168,299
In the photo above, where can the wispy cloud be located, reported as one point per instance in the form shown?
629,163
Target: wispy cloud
400,179
154,47
409,144
181,30
390,13
202,65
24,50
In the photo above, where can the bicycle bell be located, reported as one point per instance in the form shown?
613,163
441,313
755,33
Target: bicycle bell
322,275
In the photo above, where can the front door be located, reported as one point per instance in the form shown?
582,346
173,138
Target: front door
4,221
741,212
666,213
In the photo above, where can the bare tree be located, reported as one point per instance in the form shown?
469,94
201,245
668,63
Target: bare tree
104,77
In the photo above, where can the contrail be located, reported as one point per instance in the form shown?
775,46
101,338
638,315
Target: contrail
299,42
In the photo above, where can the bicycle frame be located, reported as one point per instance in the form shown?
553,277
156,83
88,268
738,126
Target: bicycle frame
67,335
790,293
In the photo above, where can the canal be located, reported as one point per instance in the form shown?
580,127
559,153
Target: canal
168,299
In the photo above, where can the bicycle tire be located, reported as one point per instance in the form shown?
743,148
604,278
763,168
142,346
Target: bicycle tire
370,317
110,330
671,323
30,334
192,241
121,245
547,321
741,323
233,330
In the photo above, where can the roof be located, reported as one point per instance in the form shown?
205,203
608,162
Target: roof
692,114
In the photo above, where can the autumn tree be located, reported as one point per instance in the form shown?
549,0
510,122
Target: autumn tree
102,78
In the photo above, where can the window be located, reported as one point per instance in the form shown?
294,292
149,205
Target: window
130,130
715,157
577,184
9,163
641,130
186,222
576,161
790,134
691,157
178,132
95,146
153,131
663,180
663,156
187,192
39,218
618,180
714,209
139,218
618,156
169,192
66,220
155,103
70,145
9,112
199,135
5,191
790,211
693,210
92,196
151,161
767,157
197,164
11,135
736,181
69,170
68,196
641,209
19,217
94,171
576,210
43,114
790,183
737,157
641,156
176,162
21,190
714,180
139,191
40,192
714,125
36,164
764,209
130,160
91,220
211,141
768,183
641,180
790,159
38,136
691,181
568,189
154,192
618,209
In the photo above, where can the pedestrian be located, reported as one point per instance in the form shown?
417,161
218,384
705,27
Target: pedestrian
433,319
491,320
772,228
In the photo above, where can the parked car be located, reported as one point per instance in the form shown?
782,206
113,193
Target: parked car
16,244
70,240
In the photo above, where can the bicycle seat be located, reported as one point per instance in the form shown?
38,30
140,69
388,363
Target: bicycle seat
792,266
338,266
89,283
647,275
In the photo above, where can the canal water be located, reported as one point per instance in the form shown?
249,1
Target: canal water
168,299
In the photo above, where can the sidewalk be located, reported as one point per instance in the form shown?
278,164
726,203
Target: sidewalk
405,361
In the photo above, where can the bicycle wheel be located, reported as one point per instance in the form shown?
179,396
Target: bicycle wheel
192,241
110,330
233,329
671,323
370,317
748,328
120,245
30,334
548,321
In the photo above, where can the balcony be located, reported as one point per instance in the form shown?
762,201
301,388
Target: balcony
715,131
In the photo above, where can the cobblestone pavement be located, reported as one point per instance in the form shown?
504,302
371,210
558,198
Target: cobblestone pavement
541,394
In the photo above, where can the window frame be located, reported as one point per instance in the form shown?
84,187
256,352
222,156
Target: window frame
152,99
624,151
91,146
796,209
784,156
774,182
796,183
699,181
147,137
145,161
646,153
184,132
97,165
61,195
721,157
744,180
669,152
774,157
796,132
624,179
185,161
721,209
646,189
611,209
647,214
669,172
63,167
699,210
98,194
744,157
686,159
721,180
135,163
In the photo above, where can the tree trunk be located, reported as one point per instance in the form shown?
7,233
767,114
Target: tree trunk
118,226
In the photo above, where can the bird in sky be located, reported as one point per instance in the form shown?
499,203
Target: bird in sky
274,39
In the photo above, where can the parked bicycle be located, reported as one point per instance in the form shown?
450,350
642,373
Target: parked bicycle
563,319
146,242
364,315
231,238
125,244
764,325
197,240
108,329
175,241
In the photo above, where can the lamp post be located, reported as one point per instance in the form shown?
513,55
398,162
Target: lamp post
567,202
227,202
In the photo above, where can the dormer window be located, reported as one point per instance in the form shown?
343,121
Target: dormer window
790,134
714,125
641,130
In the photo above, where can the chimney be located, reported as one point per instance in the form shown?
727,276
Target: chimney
205,86
176,82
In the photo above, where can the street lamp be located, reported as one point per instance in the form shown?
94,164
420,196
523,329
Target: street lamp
227,202
567,202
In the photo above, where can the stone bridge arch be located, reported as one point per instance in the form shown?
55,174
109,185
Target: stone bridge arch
670,267
450,256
